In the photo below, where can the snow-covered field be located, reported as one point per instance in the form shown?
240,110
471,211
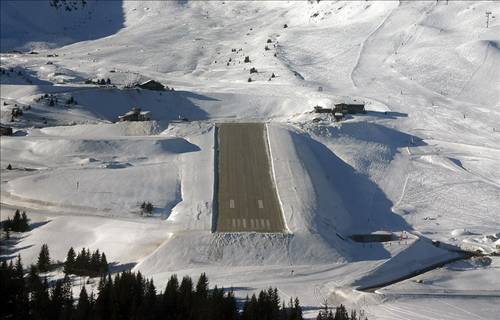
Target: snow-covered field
423,161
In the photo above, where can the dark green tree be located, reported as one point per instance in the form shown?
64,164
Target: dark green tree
43,262
69,264
83,306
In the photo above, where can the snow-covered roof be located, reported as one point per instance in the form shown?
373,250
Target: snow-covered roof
150,81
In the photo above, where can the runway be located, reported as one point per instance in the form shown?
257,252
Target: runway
247,198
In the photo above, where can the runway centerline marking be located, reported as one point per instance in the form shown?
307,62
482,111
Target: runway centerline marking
261,204
231,204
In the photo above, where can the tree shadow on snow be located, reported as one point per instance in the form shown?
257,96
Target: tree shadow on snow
9,249
115,267
39,224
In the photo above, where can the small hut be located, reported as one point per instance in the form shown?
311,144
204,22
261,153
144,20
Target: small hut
152,85
136,115
338,116
5,131
350,108
320,109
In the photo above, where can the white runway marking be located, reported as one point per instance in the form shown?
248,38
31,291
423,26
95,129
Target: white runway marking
268,225
244,223
252,223
231,204
234,223
263,223
261,204
238,222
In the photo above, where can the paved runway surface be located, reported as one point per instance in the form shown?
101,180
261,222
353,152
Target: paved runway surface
247,199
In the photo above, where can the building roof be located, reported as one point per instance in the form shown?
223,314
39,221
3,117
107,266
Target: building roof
151,81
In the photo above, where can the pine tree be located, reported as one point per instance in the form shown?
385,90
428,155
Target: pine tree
83,306
170,297
296,311
251,309
43,263
69,264
186,298
40,300
341,313
150,300
202,286
16,221
19,291
95,263
24,223
103,265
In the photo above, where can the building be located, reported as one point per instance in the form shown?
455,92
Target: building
5,131
152,85
320,109
136,115
338,116
350,108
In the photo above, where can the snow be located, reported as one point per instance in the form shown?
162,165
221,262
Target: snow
423,161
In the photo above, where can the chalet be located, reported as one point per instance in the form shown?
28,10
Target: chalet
350,108
320,109
136,115
338,116
5,131
151,85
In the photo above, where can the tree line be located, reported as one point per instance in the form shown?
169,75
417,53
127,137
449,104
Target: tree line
19,223
86,263
129,295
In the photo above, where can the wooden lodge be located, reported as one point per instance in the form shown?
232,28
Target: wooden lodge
350,108
152,85
136,115
320,109
6,131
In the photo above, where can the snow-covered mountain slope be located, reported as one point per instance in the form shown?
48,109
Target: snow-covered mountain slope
422,160
42,24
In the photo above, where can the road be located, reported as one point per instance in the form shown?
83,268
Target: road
247,198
